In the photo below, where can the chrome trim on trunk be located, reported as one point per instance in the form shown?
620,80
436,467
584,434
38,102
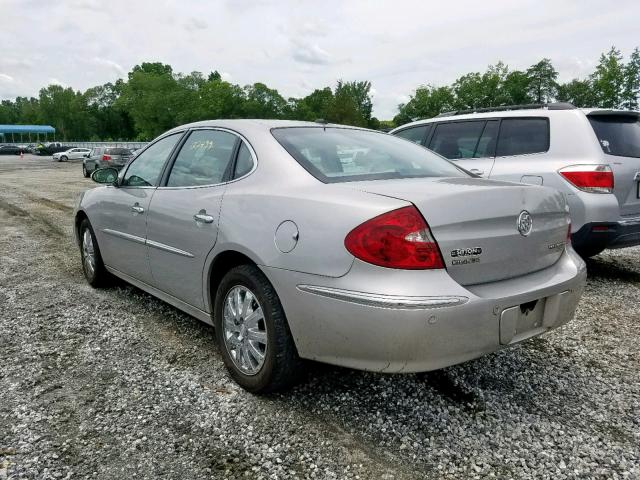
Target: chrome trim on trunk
384,301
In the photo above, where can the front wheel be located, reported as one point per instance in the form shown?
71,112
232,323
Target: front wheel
85,172
252,332
92,265
64,158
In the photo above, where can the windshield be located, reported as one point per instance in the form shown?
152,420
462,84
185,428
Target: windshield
618,135
345,155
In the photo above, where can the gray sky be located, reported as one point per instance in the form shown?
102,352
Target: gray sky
296,46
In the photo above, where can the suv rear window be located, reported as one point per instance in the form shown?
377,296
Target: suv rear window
342,154
457,139
414,134
521,136
618,135
118,151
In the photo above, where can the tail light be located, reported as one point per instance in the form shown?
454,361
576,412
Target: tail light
589,178
397,239
106,158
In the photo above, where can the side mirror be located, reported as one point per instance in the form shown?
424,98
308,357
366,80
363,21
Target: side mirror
108,175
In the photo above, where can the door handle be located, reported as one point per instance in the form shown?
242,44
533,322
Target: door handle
203,217
136,208
476,171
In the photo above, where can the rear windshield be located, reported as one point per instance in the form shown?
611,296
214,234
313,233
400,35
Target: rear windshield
345,155
118,151
618,135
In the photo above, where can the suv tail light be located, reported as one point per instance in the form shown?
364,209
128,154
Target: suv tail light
397,239
106,158
589,178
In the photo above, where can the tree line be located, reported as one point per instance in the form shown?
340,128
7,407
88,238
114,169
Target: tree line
154,98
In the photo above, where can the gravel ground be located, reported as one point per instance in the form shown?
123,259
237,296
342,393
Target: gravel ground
111,383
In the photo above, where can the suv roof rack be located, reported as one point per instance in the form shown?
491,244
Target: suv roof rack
529,106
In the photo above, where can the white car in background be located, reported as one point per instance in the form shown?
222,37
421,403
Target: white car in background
71,154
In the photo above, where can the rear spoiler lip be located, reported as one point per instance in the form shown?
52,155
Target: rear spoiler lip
614,113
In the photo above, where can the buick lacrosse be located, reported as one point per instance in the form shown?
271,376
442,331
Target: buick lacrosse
301,240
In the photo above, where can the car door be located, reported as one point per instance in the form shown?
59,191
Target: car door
184,213
122,214
521,143
468,143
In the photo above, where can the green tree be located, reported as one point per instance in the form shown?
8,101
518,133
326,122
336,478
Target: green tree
578,92
631,88
315,106
263,102
542,81
609,79
346,107
67,111
426,102
515,88
151,97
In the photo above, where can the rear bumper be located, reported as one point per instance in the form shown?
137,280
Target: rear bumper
424,320
601,235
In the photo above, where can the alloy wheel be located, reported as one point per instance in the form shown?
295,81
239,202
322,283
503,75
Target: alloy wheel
88,253
245,334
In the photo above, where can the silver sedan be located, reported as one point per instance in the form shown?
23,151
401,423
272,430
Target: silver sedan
310,241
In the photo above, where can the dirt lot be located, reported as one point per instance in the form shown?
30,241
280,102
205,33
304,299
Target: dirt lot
112,383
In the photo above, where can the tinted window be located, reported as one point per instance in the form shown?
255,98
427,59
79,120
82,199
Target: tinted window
244,164
519,136
487,144
457,140
618,135
342,154
415,134
145,170
203,159
118,151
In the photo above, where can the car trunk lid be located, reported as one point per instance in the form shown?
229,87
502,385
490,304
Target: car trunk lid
475,223
618,133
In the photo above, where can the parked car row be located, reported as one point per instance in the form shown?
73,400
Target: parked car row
101,157
302,240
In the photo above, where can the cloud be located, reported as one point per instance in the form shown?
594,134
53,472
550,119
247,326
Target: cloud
310,53
55,81
116,67
195,24
6,78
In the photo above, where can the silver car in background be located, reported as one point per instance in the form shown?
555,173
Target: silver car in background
301,240
101,157
71,154
591,155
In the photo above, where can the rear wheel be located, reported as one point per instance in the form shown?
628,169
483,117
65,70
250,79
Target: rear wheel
252,332
92,265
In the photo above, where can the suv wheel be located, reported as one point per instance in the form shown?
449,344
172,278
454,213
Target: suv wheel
64,158
85,172
252,332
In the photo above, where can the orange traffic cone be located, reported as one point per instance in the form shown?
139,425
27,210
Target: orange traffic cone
21,154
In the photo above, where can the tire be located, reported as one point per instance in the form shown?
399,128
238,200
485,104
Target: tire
588,251
98,275
64,158
85,172
281,366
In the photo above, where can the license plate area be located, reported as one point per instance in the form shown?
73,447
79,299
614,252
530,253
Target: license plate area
522,321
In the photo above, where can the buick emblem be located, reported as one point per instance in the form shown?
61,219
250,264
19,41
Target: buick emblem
525,223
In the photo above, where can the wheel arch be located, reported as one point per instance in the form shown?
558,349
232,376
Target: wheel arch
218,267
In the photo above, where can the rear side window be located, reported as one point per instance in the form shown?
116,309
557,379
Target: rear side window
414,134
618,135
521,136
244,163
457,139
487,143
203,159
117,151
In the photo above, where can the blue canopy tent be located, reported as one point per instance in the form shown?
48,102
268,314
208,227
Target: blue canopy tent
11,131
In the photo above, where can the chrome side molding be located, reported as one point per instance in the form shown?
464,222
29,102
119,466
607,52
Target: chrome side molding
384,301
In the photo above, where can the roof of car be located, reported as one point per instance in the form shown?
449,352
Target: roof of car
516,112
246,125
